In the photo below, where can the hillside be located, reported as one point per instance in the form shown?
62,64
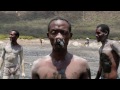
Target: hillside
33,24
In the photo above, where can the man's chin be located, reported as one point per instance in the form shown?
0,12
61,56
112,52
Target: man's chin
98,40
58,48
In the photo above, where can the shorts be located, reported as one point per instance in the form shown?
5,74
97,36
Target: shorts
8,71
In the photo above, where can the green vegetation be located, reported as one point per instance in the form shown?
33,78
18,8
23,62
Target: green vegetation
2,37
33,24
26,37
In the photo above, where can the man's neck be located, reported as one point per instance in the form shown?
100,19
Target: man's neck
59,55
104,42
14,43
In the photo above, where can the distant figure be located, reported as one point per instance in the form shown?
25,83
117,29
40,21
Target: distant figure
40,41
10,55
87,42
60,64
109,54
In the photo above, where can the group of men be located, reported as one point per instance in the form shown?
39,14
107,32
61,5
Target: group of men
60,64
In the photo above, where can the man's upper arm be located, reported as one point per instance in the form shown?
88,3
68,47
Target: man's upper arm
116,47
34,74
21,54
34,70
87,73
2,58
3,53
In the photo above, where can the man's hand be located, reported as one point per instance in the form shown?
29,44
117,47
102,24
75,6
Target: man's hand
23,75
0,74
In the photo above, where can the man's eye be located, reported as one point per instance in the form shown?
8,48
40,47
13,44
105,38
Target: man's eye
64,33
53,32
97,33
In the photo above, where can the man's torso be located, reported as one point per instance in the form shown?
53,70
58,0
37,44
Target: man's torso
109,61
72,69
11,55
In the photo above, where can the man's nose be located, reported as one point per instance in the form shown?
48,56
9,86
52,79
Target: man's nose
96,35
59,35
10,36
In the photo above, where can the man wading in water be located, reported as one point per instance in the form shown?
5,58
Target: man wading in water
109,54
10,55
60,64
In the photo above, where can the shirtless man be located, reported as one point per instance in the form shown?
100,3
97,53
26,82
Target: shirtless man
60,64
87,42
40,41
10,55
109,54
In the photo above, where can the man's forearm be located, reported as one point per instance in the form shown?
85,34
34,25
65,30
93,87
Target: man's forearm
98,75
23,67
1,62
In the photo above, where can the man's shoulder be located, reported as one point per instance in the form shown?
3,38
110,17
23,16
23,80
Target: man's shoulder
41,60
79,59
114,43
4,45
19,45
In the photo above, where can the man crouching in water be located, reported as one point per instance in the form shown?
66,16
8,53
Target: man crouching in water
109,54
10,55
60,64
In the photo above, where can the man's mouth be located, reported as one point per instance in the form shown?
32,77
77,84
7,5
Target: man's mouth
60,42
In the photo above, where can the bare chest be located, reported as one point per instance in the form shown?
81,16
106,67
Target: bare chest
106,49
105,58
52,72
14,50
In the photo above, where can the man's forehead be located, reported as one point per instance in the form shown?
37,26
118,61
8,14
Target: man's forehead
99,28
59,22
12,32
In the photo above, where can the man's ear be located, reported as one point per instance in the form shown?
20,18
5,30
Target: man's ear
71,35
47,34
106,33
17,37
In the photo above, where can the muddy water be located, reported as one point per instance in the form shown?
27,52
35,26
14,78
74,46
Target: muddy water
33,50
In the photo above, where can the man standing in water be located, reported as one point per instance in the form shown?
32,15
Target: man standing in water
10,55
60,64
109,54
